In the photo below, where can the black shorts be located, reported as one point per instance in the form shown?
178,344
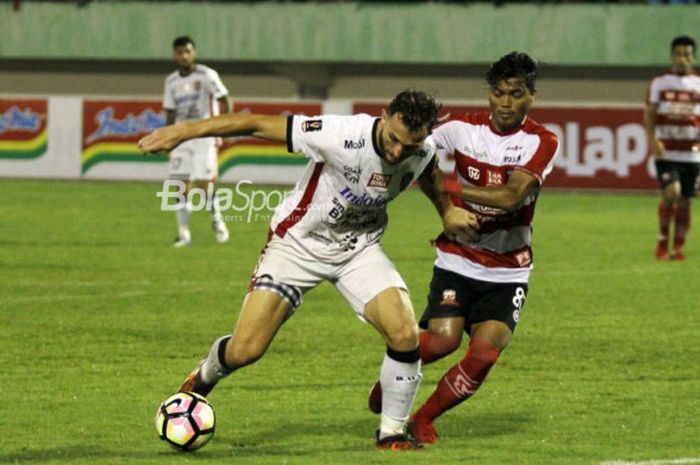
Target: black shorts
668,172
452,294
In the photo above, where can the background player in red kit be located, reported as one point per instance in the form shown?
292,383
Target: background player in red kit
501,159
672,120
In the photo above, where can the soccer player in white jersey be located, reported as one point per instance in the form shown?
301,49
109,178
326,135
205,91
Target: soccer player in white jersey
672,120
501,159
194,92
329,229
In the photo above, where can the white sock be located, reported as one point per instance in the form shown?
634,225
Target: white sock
213,368
216,216
400,381
183,220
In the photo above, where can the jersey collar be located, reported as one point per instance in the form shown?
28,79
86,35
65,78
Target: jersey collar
510,131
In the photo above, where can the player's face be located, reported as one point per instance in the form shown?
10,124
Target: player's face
396,141
184,56
509,99
683,59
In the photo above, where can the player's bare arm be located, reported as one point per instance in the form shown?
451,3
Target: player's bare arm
269,127
507,197
656,146
456,221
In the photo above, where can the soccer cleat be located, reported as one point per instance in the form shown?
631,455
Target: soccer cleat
193,382
422,430
677,254
662,250
398,442
375,398
221,231
180,243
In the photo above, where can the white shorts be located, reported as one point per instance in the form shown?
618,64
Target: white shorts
194,160
286,270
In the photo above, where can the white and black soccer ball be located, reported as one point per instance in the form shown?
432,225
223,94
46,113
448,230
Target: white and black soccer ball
185,421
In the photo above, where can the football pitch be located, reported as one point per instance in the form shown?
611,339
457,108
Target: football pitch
101,319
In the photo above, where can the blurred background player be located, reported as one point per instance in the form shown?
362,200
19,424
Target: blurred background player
479,287
672,120
329,230
194,92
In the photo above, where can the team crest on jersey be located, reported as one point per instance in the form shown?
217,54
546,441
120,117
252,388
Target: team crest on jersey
474,173
495,178
352,173
197,86
523,258
379,180
449,297
312,125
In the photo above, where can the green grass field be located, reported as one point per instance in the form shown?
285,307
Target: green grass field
100,320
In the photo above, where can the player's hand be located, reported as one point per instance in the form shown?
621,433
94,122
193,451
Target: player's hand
163,139
460,224
657,147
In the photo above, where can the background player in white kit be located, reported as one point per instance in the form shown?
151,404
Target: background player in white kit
194,92
501,158
672,120
329,229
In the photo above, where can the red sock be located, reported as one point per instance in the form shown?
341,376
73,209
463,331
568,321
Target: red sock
434,347
462,380
666,214
682,226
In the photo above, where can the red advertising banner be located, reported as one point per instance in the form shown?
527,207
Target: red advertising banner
600,148
23,128
112,128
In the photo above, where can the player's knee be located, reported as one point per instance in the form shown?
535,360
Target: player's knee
404,338
445,342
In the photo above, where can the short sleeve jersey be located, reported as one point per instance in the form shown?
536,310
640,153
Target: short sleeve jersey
677,101
338,207
485,157
192,97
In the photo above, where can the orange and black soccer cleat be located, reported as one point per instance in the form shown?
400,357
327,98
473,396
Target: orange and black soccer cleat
662,250
678,254
398,442
193,382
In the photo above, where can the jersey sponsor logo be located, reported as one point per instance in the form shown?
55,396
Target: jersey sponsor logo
312,125
523,258
449,298
362,200
669,95
352,173
474,173
479,155
352,145
513,158
379,180
494,178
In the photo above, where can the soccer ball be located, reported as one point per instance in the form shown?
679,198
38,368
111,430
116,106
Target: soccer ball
185,421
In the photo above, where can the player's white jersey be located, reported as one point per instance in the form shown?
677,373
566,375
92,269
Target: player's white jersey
677,100
338,207
193,96
473,152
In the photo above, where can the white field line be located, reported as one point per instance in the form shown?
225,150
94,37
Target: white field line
683,461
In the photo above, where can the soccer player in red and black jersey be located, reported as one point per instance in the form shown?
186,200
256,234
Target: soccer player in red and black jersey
672,120
501,159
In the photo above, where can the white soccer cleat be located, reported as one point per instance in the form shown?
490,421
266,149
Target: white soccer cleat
221,231
181,242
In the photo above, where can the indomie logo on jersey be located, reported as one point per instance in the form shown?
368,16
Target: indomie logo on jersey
352,145
362,200
379,180
312,125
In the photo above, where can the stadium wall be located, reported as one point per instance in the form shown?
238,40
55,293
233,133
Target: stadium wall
368,32
602,147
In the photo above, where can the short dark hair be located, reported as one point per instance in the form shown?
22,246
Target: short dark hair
515,64
683,40
182,41
418,109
